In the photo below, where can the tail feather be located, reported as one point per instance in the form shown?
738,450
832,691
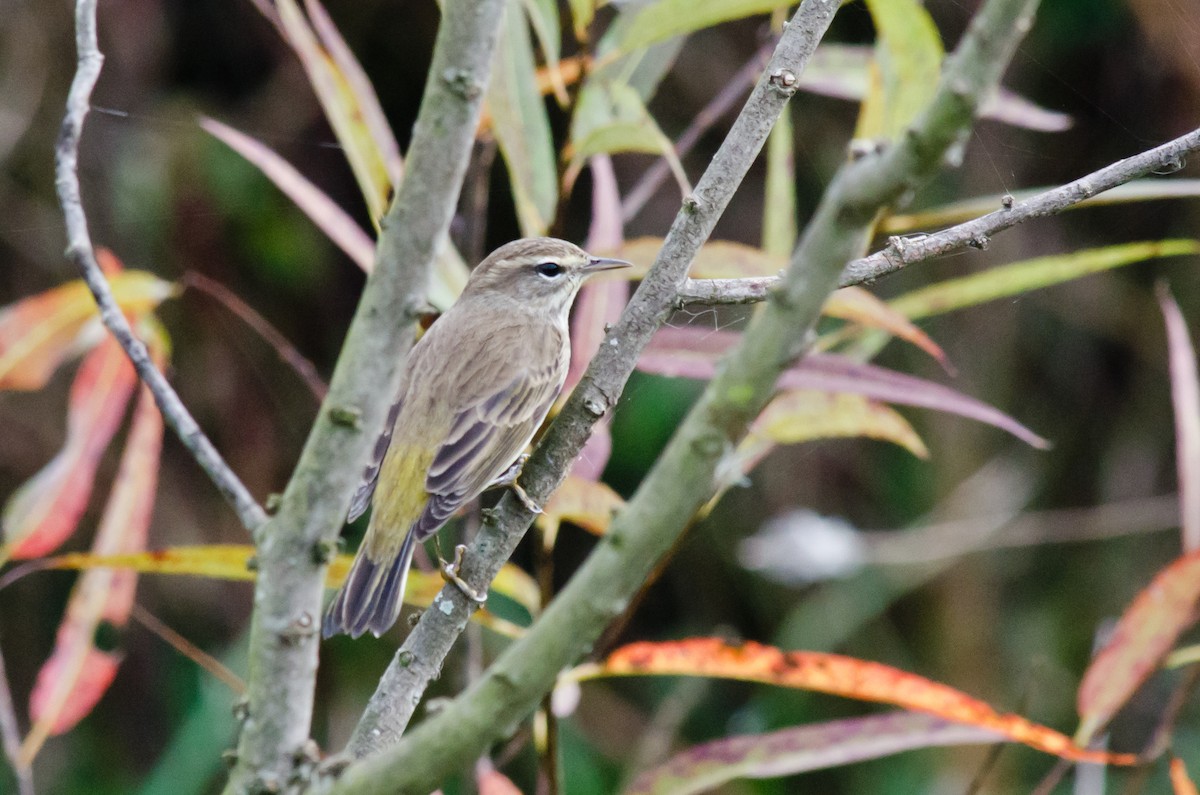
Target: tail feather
372,594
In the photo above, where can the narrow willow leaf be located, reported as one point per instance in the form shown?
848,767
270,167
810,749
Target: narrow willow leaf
664,19
582,13
908,57
39,333
779,204
842,71
693,353
80,670
521,126
361,92
234,562
344,108
44,511
610,118
544,19
800,749
1147,630
838,675
1185,397
331,219
1033,274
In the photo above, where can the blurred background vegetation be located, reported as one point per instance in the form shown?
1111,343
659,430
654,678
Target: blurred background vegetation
1083,364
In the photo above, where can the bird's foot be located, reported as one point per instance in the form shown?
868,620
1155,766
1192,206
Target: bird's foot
509,476
525,499
450,573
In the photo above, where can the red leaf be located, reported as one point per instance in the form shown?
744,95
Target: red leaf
78,673
45,510
693,352
1146,632
799,749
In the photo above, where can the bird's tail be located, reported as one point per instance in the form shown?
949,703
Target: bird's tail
372,594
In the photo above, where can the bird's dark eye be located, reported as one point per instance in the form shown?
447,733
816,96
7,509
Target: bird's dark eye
549,269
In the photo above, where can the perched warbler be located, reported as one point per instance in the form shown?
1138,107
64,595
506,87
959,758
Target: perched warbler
475,388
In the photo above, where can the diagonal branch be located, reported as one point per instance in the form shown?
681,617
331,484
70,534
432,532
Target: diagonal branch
294,548
81,252
682,478
904,251
419,659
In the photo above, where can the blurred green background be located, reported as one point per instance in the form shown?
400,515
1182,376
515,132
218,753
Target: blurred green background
1082,364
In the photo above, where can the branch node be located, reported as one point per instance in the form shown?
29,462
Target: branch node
462,83
346,416
595,407
784,80
979,242
1007,201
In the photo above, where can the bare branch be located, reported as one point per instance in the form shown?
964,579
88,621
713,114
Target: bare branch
299,540
904,251
682,478
420,658
81,252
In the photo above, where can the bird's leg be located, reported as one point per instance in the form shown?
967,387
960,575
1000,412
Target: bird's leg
509,478
450,573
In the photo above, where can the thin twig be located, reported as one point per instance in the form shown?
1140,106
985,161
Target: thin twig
81,252
199,656
653,177
682,477
904,251
284,349
10,736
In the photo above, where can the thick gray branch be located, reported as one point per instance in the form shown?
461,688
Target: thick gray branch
909,250
682,478
420,658
81,252
296,544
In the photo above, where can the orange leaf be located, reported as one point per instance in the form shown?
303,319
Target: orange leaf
1146,632
1181,782
587,503
78,673
839,675
40,332
860,306
45,510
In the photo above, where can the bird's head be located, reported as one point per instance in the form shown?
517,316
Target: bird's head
541,273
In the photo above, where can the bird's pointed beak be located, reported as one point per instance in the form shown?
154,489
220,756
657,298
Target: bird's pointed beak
597,264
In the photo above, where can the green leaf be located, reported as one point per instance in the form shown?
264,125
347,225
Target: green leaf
521,126
582,12
664,19
908,61
543,17
610,117
779,207
1021,277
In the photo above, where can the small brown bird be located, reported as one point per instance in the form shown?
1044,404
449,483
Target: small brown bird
474,391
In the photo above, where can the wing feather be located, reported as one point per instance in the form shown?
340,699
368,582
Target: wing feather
485,439
362,497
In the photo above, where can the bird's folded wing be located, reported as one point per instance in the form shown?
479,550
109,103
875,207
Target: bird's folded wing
484,439
362,497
